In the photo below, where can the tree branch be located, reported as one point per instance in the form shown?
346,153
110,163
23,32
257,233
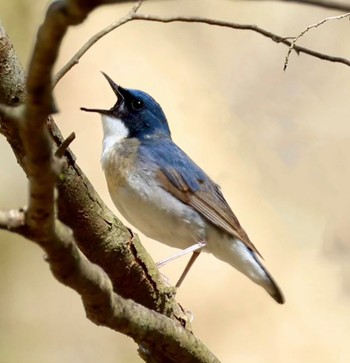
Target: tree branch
158,335
316,25
133,15
34,137
274,37
75,59
162,339
99,234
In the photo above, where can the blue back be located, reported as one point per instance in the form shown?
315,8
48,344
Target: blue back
167,156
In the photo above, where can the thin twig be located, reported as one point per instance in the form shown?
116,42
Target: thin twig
276,38
64,146
135,16
76,57
293,46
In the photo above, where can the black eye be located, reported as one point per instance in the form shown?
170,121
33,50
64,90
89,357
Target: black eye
137,105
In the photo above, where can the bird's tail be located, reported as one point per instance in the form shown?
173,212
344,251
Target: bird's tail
239,256
270,285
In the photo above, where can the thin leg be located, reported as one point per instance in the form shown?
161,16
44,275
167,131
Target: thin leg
187,268
184,252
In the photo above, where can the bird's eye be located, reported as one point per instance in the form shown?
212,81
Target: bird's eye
137,105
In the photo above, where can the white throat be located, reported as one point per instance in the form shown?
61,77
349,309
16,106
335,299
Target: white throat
114,131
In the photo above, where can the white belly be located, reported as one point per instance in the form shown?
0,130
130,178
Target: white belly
155,212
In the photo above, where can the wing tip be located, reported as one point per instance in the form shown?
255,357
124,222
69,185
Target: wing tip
274,290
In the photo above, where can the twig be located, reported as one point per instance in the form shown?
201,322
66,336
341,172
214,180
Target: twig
293,46
76,57
276,38
64,146
132,16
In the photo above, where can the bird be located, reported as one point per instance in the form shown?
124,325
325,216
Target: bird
162,192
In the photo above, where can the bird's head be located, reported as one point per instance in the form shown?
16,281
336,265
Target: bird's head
135,115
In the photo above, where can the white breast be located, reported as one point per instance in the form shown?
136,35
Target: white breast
114,132
155,212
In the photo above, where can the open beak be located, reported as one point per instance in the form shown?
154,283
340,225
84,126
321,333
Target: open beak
119,92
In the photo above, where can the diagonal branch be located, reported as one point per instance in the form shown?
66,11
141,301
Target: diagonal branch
100,235
157,334
162,339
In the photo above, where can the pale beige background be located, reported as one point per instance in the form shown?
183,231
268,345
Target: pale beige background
277,143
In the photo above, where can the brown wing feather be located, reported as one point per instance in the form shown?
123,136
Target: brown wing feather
209,202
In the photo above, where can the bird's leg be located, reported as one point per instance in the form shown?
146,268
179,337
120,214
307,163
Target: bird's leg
193,258
196,251
184,252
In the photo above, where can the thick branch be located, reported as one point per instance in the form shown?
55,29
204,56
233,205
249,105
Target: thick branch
100,235
12,90
80,207
157,334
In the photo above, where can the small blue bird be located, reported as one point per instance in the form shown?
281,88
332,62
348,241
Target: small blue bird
165,195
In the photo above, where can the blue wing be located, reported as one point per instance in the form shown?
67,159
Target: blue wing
183,178
169,158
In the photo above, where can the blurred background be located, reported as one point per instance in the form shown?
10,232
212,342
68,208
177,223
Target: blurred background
277,143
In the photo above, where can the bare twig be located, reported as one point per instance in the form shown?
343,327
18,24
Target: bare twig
76,57
132,16
64,146
254,28
293,46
